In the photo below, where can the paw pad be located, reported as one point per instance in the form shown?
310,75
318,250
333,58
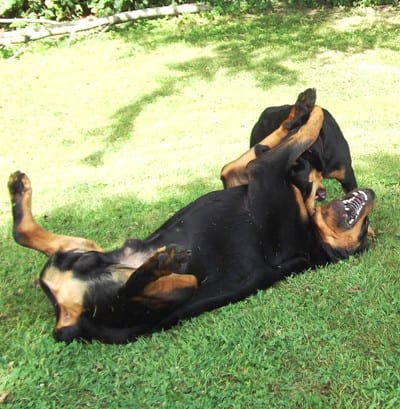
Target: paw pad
173,257
18,183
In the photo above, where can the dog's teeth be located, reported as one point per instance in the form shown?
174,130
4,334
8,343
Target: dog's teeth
364,194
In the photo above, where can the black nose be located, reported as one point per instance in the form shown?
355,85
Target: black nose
370,193
320,194
67,334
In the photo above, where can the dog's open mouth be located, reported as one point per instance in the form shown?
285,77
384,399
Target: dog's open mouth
354,205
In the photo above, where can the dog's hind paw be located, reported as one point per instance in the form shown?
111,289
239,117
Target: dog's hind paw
19,184
301,110
306,99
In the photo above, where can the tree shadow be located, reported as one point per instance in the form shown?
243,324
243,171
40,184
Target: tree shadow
261,45
122,122
112,220
257,45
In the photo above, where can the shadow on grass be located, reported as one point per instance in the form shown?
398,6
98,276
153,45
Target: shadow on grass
122,123
261,45
111,220
258,45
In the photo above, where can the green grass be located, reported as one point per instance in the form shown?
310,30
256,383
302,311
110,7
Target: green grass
118,131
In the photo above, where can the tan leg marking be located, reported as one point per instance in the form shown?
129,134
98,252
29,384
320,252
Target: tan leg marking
174,287
235,174
300,203
28,233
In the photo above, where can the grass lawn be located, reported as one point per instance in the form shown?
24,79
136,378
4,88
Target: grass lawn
119,130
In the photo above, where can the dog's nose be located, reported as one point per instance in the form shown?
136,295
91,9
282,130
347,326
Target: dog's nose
320,194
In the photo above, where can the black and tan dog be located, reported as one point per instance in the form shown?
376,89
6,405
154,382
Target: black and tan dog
219,249
328,157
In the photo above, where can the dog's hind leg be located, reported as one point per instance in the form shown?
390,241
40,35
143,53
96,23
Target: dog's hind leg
27,232
235,172
272,168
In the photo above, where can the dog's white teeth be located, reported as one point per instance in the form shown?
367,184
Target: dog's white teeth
364,194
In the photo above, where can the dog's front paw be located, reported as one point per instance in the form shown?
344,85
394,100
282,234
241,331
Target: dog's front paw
172,258
166,261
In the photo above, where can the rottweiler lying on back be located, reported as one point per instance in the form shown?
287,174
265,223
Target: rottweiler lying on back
219,249
328,157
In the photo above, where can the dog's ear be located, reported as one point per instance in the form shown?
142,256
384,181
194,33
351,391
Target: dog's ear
27,232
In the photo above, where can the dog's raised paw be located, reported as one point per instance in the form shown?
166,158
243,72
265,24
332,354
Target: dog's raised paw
306,99
18,183
173,257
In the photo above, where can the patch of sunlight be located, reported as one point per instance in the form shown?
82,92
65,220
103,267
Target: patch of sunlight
366,15
378,68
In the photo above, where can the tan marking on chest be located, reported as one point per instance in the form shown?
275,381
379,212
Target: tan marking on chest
339,174
69,293
300,204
